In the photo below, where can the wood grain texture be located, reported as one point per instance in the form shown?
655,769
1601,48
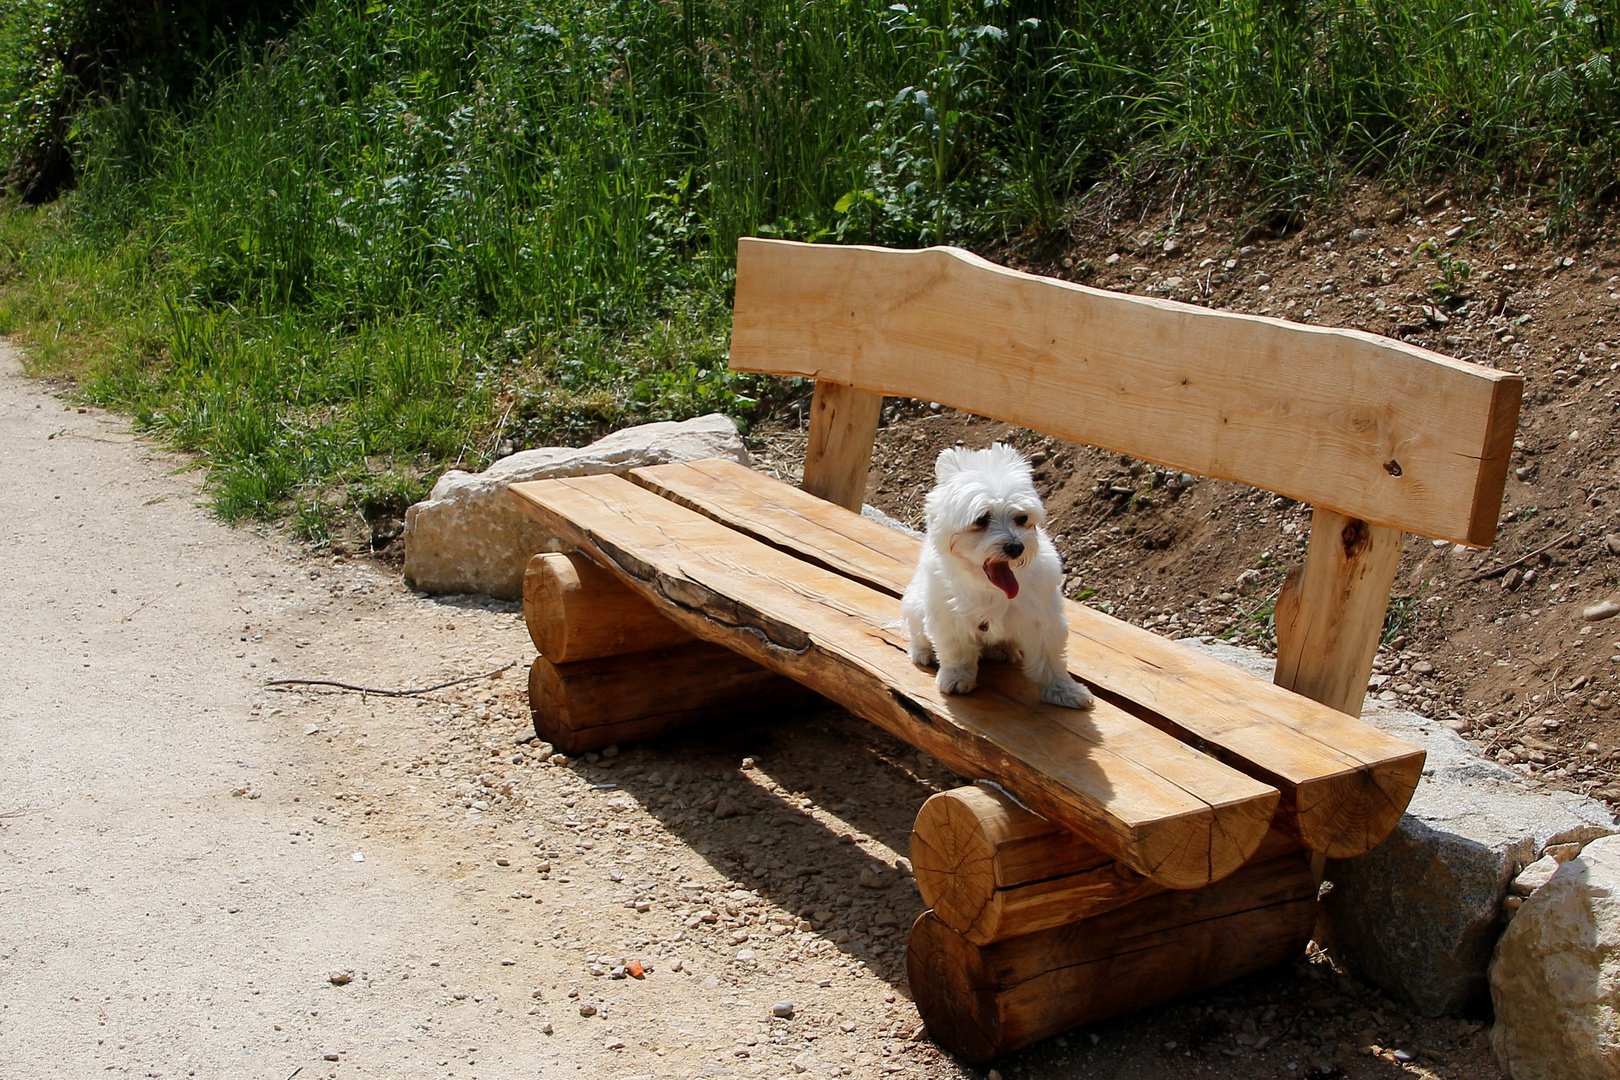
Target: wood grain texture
632,697
1330,613
1375,428
843,427
992,870
1344,783
575,610
1160,807
981,1002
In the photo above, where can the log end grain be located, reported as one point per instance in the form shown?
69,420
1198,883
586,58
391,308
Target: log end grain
1348,815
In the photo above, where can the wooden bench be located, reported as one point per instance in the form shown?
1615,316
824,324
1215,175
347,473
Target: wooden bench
1160,843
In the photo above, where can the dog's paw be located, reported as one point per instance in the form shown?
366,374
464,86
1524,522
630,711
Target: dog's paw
922,655
1067,693
956,680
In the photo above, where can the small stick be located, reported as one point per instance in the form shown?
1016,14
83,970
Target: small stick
389,693
1520,561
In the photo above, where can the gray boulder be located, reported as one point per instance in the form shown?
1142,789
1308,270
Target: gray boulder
1555,980
468,537
1419,915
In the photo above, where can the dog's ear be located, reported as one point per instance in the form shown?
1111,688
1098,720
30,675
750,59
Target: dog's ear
949,463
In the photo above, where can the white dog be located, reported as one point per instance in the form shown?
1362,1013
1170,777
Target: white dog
989,582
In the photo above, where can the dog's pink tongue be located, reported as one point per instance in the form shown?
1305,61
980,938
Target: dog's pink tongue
1001,576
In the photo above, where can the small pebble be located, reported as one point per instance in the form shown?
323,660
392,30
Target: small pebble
783,1009
340,978
587,1009
1404,1056
1608,609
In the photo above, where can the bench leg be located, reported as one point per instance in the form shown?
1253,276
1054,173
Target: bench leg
1331,612
615,671
983,1001
843,427
992,870
575,610
588,704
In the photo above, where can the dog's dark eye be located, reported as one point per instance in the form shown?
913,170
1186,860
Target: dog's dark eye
983,522
1022,520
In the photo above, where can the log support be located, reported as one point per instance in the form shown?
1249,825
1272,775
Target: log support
585,705
1331,611
983,1001
575,610
613,670
843,427
992,870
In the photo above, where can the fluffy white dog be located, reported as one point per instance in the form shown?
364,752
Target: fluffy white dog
989,583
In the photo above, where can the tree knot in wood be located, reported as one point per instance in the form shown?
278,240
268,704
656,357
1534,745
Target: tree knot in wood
1392,467
1355,538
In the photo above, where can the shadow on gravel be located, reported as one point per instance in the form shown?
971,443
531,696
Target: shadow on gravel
812,813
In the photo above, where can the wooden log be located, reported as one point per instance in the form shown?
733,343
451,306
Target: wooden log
632,697
575,610
1163,808
992,870
1330,613
1388,432
1344,783
981,1002
843,427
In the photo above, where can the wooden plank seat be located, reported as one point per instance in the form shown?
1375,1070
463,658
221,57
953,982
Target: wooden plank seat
1158,843
1163,808
1344,783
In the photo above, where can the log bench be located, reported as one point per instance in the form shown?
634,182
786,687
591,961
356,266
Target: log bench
1167,840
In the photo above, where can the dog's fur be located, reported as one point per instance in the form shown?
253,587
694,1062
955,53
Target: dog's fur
989,583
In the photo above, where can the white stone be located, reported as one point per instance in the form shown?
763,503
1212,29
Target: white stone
1555,979
1534,876
468,537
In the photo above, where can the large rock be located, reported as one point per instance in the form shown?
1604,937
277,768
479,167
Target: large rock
1556,977
467,537
1418,915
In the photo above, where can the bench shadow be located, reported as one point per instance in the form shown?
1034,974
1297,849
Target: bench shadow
817,810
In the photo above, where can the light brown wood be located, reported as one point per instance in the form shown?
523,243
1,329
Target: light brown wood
575,610
1344,783
992,870
1330,613
632,697
843,427
1375,428
981,1002
1162,808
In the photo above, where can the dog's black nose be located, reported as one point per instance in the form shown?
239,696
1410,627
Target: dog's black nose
1013,548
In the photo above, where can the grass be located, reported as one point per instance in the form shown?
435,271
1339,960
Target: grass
408,234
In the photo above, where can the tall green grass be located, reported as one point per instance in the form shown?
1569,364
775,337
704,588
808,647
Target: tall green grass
411,232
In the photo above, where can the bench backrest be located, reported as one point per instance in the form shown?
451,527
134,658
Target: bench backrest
1374,428
1380,436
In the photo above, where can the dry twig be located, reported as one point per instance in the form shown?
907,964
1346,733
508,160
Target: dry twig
1498,571
389,693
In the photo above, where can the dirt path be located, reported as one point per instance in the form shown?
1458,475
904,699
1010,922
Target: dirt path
187,857
180,852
